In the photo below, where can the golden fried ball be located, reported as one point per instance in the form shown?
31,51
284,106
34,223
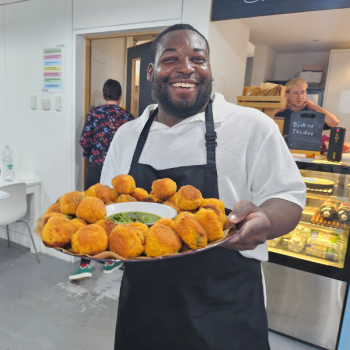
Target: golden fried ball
172,198
142,227
54,208
98,191
79,223
188,198
214,201
125,198
139,194
190,231
112,195
217,211
57,232
109,203
160,240
126,241
167,222
48,216
106,224
173,205
90,240
70,202
211,223
164,188
124,184
151,198
91,209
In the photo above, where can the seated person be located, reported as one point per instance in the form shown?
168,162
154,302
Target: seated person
296,101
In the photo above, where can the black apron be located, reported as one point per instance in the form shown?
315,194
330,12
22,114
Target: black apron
207,301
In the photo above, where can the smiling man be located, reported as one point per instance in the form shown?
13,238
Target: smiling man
213,299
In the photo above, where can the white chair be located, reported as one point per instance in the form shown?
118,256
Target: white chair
13,208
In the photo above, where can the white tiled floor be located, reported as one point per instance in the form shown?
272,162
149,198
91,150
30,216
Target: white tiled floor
278,342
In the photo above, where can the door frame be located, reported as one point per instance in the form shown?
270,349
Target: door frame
87,78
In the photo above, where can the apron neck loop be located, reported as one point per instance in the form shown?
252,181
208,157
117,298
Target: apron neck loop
210,134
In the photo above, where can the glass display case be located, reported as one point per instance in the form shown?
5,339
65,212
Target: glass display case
322,234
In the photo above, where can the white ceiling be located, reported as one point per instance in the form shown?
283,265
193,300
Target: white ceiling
295,32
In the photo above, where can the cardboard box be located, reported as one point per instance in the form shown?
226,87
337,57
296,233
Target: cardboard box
312,68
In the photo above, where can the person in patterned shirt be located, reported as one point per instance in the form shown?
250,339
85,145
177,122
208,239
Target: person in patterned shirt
101,124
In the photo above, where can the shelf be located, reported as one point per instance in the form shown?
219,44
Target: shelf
320,227
324,196
339,265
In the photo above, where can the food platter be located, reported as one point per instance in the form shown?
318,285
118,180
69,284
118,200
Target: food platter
108,256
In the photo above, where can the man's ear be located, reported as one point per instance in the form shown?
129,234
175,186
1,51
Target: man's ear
150,72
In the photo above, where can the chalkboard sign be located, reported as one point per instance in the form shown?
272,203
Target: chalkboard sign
232,9
305,131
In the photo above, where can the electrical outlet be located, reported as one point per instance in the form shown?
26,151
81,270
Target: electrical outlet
45,105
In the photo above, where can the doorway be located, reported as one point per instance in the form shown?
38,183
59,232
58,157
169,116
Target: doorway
107,57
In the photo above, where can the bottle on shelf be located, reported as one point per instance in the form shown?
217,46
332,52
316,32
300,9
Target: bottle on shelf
298,239
285,240
273,242
328,209
7,164
344,212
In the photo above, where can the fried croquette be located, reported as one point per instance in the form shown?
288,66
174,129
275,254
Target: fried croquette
57,232
112,195
215,201
142,227
91,209
152,199
164,188
126,241
211,223
79,223
106,224
139,194
125,198
160,240
172,198
217,211
109,203
48,216
124,184
173,205
188,198
54,208
70,202
190,231
167,222
90,240
98,191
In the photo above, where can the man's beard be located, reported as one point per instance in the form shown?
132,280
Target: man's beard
181,108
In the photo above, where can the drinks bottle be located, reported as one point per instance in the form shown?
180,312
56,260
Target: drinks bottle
344,212
7,164
328,209
298,239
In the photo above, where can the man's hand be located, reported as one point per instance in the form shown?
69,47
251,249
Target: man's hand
255,229
310,105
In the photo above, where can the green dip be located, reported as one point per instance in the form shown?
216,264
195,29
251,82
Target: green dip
134,216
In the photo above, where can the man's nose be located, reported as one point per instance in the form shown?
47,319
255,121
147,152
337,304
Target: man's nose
185,66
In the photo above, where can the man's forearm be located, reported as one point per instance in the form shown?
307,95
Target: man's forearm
330,119
284,216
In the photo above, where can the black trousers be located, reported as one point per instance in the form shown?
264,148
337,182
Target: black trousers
93,177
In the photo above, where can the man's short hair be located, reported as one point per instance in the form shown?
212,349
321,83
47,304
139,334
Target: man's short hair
155,43
112,90
296,82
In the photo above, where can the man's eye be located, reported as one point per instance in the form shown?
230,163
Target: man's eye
169,59
198,59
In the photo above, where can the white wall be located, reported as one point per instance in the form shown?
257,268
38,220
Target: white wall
288,64
228,42
264,64
3,114
108,61
41,140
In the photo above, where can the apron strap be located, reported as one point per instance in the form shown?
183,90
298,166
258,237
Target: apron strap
210,134
143,137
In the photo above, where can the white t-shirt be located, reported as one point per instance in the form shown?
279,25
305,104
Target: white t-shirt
252,159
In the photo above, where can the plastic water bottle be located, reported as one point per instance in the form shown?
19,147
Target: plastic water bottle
7,164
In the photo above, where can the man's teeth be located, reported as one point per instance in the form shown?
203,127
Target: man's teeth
184,85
